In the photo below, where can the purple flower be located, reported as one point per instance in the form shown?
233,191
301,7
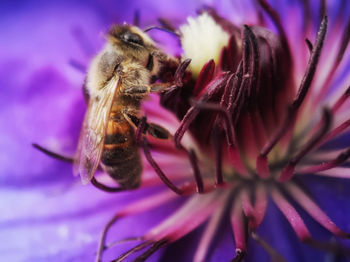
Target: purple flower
259,159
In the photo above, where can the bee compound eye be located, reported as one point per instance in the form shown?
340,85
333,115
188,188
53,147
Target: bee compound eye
132,38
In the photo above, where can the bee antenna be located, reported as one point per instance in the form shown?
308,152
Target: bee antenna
162,29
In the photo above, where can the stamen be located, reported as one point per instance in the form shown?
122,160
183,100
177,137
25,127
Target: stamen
309,45
155,246
340,159
101,245
291,215
218,155
335,132
256,213
288,171
341,100
237,162
313,210
180,71
238,225
189,117
343,46
253,68
338,172
205,76
193,213
196,170
227,119
209,234
312,64
180,191
134,208
53,154
274,255
131,251
303,89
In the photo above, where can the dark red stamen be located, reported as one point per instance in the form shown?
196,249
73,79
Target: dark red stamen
196,171
250,65
106,188
102,242
340,159
303,89
218,155
341,100
344,44
289,169
274,255
227,119
309,45
53,154
160,173
214,88
205,76
180,71
155,246
336,131
131,251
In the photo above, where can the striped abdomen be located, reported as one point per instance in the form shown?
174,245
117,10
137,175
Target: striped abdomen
120,156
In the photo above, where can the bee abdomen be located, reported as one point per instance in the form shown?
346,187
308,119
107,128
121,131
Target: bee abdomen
120,156
127,172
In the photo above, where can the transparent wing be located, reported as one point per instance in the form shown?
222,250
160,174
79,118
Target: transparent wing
93,132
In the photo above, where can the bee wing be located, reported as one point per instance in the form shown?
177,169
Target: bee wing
93,132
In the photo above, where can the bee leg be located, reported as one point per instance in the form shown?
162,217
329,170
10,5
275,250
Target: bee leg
53,154
184,190
159,87
177,81
216,133
142,126
158,131
136,90
105,188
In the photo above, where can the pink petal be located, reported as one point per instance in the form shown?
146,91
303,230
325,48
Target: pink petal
147,203
311,207
255,213
291,215
237,223
340,172
197,209
208,235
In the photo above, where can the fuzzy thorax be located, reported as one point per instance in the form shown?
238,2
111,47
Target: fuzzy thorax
202,39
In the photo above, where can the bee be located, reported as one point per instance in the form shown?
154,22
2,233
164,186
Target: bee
118,80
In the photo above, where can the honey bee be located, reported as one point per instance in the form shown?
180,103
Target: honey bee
118,79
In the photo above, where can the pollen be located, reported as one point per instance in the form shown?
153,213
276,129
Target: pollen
202,39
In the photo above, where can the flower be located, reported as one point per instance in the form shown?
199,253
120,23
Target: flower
272,171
